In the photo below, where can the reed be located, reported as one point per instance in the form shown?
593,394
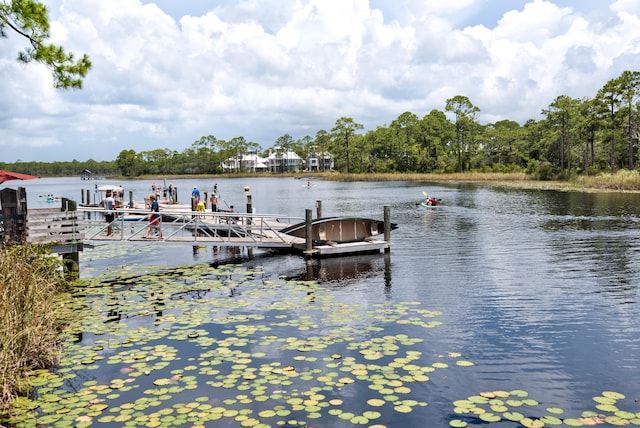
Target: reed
29,282
453,177
623,180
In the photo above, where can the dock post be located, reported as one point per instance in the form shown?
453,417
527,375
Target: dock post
387,228
130,198
71,263
249,209
318,209
89,197
308,222
82,196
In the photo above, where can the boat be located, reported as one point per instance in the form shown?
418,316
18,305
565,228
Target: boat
339,229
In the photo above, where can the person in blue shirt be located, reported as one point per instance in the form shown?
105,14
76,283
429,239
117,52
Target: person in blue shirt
195,193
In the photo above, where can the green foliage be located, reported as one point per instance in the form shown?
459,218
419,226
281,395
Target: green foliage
29,19
544,171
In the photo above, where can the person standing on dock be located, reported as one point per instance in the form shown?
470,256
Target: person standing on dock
195,193
200,207
214,202
109,204
154,218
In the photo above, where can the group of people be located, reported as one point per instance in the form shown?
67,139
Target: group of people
154,224
167,191
213,201
109,203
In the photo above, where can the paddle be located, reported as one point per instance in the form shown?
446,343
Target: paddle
425,195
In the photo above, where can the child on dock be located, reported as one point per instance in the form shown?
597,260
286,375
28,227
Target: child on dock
154,218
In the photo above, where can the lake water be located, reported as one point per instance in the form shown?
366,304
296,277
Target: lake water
539,290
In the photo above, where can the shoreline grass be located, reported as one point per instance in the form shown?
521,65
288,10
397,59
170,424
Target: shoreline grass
622,181
30,281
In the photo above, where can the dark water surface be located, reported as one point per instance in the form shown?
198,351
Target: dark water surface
539,289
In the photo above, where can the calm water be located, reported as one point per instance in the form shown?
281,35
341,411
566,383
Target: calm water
539,289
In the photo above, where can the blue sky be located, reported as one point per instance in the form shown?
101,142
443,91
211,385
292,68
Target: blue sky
167,72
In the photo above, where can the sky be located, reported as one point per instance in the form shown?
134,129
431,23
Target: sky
166,72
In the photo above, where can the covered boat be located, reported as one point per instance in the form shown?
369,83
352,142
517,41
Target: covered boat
339,229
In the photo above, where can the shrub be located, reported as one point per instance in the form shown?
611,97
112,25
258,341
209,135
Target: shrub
29,281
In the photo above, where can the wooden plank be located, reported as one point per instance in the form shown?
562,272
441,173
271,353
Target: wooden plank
54,239
50,225
347,248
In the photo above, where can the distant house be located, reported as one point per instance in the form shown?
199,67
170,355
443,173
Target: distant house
250,162
279,161
320,162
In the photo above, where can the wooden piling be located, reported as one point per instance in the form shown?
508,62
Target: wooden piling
308,236
318,209
387,228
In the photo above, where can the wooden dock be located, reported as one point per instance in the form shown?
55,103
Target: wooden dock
221,228
68,228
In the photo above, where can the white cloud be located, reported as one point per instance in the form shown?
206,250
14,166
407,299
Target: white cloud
166,73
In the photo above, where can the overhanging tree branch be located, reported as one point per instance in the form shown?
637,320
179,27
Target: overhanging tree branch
30,20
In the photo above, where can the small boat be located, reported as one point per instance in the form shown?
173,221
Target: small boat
339,229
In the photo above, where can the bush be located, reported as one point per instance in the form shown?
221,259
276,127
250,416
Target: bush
544,171
29,281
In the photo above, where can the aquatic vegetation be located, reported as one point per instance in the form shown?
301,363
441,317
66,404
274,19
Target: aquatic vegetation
516,406
196,344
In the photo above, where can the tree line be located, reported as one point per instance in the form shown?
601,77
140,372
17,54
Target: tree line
575,136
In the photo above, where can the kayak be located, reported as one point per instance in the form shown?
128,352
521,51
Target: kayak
430,203
425,205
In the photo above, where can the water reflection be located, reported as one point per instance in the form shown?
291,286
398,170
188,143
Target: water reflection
339,269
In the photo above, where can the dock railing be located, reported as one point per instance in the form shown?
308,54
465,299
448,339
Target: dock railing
242,229
50,225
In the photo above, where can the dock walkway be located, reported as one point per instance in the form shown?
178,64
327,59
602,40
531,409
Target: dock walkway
182,225
221,228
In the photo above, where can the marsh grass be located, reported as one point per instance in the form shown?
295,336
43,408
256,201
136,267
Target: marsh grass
29,282
622,180
456,177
